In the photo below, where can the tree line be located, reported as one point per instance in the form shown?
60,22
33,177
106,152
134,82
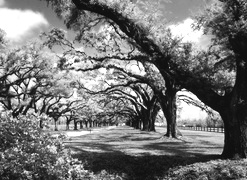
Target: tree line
31,82
215,75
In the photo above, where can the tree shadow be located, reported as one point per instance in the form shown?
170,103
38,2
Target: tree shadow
136,155
142,167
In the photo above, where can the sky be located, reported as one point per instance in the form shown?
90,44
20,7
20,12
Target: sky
23,20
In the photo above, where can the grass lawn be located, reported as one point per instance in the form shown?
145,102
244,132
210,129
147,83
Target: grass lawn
134,154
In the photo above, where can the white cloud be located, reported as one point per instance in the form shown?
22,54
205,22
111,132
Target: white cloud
188,34
2,3
185,30
20,24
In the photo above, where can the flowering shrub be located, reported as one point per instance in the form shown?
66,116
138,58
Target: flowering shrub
216,169
28,153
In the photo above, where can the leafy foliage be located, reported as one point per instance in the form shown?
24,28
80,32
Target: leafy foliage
2,37
224,19
28,153
217,169
211,78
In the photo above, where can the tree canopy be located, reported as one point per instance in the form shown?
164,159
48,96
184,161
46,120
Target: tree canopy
207,74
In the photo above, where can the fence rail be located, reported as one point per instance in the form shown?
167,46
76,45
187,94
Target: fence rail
207,129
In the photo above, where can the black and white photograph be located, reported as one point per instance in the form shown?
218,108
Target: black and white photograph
123,90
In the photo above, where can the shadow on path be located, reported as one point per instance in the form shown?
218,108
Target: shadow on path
137,155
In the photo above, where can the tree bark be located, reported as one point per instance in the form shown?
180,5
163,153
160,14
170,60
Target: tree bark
171,115
154,114
75,124
81,125
232,135
235,129
136,122
90,123
56,128
145,119
67,125
235,117
86,124
152,124
94,122
169,108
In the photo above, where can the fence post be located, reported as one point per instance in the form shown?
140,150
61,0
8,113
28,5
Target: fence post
207,129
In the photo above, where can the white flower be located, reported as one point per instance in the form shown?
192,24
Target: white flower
60,160
52,149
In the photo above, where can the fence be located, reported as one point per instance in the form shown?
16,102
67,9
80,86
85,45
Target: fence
208,129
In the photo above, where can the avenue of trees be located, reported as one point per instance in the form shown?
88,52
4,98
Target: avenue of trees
34,91
217,75
124,65
32,83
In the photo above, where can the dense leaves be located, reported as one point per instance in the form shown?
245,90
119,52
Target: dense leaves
2,38
217,169
28,153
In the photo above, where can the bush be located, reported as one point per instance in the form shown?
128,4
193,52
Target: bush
216,169
28,153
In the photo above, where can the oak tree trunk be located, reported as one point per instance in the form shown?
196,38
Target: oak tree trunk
235,116
154,114
90,124
81,125
145,120
136,123
67,125
169,108
56,128
75,125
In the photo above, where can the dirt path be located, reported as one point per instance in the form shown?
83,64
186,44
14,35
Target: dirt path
142,155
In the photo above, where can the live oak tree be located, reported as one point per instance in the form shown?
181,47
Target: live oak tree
153,93
144,104
119,110
165,94
151,106
60,109
76,114
112,107
167,98
227,22
112,94
61,100
24,72
149,93
116,42
31,82
70,116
